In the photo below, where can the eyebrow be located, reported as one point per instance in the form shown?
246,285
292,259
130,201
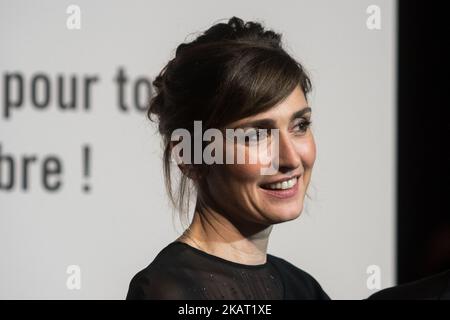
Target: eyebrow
270,123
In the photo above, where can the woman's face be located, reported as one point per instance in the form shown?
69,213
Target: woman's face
248,195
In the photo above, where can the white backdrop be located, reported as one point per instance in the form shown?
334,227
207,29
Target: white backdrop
119,225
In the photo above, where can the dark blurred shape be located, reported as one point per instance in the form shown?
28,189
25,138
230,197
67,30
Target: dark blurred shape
436,287
423,145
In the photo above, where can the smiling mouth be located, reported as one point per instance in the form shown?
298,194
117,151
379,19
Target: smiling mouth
284,185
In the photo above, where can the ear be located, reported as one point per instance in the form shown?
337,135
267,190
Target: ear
189,170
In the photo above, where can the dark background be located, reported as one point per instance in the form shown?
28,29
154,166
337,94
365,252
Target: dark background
423,154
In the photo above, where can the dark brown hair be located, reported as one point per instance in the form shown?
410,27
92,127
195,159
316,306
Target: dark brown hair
231,71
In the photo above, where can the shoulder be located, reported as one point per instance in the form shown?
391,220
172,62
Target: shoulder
299,284
162,279
155,283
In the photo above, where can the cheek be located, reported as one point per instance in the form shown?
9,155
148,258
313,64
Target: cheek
307,151
242,170
244,173
240,175
233,181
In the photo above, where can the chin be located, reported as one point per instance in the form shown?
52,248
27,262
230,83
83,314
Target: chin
286,214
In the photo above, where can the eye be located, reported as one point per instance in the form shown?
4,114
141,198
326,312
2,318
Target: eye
302,126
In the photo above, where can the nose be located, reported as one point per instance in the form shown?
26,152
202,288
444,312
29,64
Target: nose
289,158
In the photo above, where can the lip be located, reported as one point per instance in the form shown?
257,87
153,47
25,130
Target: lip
283,194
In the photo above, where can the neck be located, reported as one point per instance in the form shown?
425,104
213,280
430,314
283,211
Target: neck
216,234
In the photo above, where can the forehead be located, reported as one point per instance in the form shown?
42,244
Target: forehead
294,102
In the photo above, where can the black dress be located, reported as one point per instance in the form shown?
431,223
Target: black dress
181,272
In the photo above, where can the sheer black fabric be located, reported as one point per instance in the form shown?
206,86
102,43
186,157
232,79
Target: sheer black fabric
182,272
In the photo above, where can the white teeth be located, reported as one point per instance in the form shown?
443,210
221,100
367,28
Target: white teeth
283,185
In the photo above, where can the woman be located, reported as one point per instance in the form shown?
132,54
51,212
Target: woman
235,75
